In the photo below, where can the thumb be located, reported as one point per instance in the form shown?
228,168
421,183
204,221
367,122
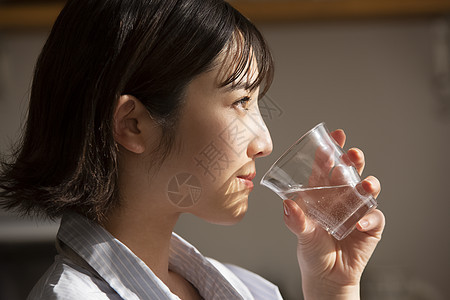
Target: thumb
294,217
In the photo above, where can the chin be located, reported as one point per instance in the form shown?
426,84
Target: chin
231,214
228,221
236,217
227,206
235,206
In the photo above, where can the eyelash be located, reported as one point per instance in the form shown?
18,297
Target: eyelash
243,102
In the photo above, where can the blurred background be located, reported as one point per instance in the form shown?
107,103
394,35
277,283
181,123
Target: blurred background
378,69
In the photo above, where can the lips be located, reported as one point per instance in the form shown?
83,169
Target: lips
249,176
247,179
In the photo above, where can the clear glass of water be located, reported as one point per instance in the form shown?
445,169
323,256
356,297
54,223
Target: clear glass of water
318,175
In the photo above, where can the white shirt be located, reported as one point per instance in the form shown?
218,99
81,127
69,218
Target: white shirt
92,264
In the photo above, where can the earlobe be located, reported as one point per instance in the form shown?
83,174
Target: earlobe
126,122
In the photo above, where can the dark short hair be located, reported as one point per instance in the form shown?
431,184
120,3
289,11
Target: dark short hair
97,51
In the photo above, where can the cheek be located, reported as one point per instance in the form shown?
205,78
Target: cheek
207,146
224,205
219,158
212,148
237,135
194,169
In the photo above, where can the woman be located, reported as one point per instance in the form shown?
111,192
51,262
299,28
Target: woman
141,111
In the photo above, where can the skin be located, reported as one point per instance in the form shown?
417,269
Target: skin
146,217
211,115
332,269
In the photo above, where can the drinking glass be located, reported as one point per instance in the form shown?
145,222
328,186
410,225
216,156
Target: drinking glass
318,175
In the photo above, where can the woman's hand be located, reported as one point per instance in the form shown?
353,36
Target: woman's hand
332,269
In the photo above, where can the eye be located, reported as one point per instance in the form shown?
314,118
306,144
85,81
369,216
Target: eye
242,103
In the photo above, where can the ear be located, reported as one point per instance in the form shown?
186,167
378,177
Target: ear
128,120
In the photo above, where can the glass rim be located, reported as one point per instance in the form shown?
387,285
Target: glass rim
287,151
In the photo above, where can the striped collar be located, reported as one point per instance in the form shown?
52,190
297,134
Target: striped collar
131,278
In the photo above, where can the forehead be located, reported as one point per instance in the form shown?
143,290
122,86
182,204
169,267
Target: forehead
237,65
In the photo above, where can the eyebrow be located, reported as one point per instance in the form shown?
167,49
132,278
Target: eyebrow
241,85
231,87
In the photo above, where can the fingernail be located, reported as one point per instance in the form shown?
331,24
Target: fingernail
367,185
286,209
363,223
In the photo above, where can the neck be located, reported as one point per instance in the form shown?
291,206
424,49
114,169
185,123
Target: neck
147,235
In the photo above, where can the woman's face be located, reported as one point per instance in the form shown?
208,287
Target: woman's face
220,133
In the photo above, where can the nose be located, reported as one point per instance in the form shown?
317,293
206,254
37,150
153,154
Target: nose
261,143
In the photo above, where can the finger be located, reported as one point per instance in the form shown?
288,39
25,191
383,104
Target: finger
339,136
372,223
340,175
323,163
294,217
356,156
372,186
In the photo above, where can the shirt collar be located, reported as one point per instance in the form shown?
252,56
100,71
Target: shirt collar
131,278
